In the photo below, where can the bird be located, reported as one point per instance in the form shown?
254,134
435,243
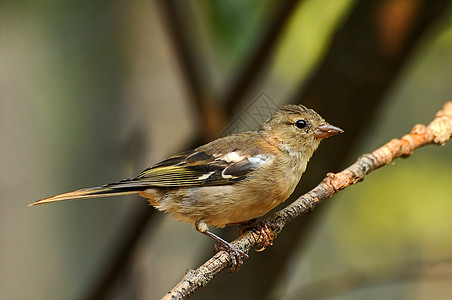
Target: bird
229,181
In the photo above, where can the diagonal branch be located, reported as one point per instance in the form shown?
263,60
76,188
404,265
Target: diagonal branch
437,132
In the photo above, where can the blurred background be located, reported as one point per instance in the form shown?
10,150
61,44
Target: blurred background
95,91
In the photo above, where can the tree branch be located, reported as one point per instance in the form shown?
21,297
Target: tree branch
437,132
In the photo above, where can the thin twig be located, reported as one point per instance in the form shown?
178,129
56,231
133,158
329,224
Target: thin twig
437,132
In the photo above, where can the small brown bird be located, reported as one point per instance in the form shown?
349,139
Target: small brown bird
230,180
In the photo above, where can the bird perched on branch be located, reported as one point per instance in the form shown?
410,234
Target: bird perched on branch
230,180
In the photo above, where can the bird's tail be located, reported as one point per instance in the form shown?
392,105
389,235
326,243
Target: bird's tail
113,189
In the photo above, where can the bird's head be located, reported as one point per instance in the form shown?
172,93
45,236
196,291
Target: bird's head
296,129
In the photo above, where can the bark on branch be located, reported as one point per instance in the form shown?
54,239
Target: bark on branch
437,132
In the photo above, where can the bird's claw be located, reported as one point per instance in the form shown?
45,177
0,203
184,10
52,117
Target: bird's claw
235,254
267,232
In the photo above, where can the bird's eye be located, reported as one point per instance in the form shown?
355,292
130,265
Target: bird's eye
301,124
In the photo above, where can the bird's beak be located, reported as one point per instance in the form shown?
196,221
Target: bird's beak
326,130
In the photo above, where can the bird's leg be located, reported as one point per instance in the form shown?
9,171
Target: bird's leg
235,254
267,232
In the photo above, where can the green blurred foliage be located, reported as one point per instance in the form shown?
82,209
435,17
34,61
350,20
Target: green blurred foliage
307,36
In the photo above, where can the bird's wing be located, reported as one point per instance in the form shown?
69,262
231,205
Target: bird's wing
198,168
